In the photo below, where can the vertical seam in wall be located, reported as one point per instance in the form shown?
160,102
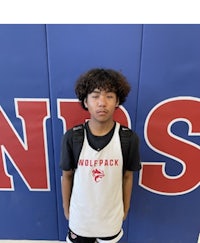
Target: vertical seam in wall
139,77
50,104
137,102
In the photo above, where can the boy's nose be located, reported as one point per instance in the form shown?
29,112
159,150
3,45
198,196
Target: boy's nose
102,100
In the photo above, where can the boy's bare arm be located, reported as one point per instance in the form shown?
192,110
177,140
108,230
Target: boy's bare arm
127,190
67,182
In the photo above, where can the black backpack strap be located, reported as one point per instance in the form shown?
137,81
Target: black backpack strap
78,138
125,134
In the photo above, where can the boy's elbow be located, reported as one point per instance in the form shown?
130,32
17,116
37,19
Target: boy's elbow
128,175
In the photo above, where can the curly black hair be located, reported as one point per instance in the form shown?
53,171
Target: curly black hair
102,79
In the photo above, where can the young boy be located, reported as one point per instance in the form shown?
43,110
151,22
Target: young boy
97,192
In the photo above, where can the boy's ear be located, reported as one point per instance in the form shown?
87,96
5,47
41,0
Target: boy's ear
117,104
85,102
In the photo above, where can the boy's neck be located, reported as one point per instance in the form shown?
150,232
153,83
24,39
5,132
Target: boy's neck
100,129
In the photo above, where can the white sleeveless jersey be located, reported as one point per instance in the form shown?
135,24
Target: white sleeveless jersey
96,207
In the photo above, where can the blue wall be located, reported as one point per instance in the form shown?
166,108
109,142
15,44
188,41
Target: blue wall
38,67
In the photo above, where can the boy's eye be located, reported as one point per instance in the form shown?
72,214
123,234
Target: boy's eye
110,95
95,96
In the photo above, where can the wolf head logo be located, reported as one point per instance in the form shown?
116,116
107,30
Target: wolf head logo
97,174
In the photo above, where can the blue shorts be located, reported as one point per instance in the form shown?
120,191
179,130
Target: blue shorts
74,238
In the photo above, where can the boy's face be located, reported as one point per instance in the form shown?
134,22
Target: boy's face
101,105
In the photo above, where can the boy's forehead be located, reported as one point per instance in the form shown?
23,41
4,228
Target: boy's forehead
99,90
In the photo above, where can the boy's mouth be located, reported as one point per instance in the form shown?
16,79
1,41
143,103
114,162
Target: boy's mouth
102,112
